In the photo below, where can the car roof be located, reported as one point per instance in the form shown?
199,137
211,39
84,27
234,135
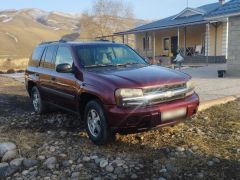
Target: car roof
75,43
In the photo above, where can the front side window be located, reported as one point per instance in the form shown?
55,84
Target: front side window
64,56
110,54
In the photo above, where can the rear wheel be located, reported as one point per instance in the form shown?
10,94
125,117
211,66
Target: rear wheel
96,125
38,105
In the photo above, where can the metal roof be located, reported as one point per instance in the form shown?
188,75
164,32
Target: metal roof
175,21
229,8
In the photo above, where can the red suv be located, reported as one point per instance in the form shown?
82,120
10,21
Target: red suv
110,86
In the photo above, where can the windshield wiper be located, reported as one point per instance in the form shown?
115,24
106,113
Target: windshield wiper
99,65
126,64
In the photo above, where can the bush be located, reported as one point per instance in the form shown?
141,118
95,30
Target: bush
20,71
10,71
1,72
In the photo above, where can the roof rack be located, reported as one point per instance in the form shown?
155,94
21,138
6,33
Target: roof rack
50,42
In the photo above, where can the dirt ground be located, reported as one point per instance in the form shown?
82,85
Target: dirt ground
204,147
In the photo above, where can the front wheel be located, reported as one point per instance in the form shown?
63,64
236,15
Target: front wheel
96,125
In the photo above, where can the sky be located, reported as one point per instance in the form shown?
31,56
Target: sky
142,9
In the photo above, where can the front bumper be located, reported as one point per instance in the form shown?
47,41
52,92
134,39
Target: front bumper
143,118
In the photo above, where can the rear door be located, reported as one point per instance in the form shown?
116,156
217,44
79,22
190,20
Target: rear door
64,84
45,74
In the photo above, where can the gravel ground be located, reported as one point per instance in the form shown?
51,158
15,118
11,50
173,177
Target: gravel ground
55,146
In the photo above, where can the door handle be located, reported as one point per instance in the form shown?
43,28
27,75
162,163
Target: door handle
53,78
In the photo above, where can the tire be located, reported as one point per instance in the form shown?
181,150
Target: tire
39,106
96,124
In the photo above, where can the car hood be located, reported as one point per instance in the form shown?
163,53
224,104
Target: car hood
137,76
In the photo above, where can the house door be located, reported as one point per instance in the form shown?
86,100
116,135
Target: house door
174,45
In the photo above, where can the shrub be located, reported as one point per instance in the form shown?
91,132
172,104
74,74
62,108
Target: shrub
10,71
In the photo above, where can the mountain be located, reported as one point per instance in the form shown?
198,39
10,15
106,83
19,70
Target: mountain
21,30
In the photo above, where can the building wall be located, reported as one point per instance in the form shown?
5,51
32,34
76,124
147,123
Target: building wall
234,46
196,35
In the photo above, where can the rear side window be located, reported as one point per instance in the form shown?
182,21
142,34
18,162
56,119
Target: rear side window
48,58
37,53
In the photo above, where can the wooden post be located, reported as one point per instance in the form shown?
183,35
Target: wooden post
227,32
178,39
185,41
154,46
123,38
127,39
208,37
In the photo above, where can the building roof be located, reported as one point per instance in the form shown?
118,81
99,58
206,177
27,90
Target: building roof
229,8
186,17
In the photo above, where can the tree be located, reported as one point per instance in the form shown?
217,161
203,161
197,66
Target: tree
106,17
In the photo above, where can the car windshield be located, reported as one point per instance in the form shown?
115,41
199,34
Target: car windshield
108,55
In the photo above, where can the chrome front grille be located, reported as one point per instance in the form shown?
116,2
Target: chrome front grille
160,89
168,89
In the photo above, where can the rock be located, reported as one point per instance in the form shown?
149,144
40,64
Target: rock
75,175
3,169
180,149
29,163
216,160
118,162
25,172
86,158
163,170
17,163
63,133
66,163
50,163
134,176
161,178
103,163
52,149
189,152
109,168
79,166
5,147
194,148
9,155
93,157
200,175
210,163
41,158
171,167
118,170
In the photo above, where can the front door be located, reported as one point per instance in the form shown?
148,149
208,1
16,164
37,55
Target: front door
65,86
174,45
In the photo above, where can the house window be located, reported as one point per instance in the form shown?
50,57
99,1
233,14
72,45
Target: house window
166,44
147,43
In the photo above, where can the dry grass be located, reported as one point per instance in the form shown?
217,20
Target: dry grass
16,64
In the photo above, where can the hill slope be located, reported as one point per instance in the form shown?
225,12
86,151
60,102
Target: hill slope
21,30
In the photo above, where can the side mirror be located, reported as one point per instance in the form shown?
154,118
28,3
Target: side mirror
64,68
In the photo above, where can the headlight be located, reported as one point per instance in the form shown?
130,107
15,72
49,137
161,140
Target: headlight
190,86
122,94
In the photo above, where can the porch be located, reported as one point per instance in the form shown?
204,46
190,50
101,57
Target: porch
198,43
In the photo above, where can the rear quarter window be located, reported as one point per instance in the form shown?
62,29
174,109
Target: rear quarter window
36,56
37,53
